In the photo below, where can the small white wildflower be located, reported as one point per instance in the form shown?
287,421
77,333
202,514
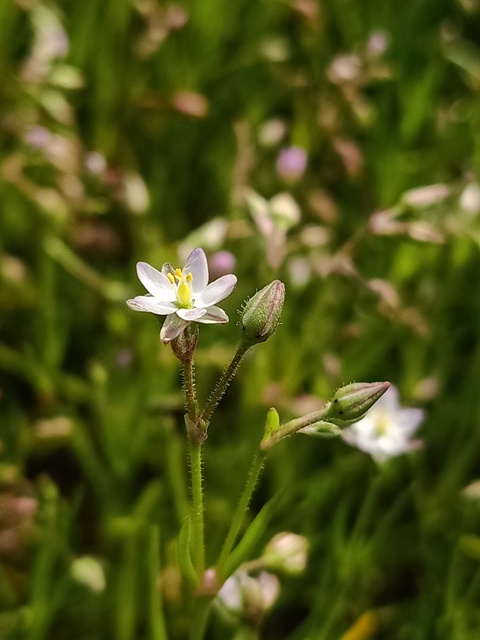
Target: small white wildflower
89,572
286,552
183,295
470,199
387,429
246,596
274,218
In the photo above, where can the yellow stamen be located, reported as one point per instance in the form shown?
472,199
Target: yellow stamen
189,277
178,274
171,278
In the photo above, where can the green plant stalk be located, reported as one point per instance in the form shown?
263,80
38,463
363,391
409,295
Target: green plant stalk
239,515
200,619
198,538
196,471
222,384
157,619
290,428
126,604
189,386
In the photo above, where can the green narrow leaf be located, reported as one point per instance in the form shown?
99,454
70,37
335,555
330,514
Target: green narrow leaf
250,538
183,553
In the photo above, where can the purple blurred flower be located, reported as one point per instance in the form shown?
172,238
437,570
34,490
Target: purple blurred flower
221,263
291,163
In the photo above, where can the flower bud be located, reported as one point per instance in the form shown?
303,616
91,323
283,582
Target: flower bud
272,422
261,313
286,552
350,403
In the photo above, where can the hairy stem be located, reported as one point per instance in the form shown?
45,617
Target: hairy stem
198,541
239,515
222,384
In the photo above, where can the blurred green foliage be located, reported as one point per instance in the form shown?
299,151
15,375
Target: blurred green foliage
126,126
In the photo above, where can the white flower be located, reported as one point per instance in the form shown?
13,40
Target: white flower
387,429
286,552
183,295
243,595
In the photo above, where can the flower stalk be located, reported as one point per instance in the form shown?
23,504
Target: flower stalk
239,515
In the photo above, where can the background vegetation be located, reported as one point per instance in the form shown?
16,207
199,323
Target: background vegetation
126,126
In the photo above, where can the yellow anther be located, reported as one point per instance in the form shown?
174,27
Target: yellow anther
189,277
171,278
178,273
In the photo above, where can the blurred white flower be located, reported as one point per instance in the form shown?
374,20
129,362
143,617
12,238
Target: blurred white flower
248,597
286,552
387,429
274,218
183,295
470,199
89,572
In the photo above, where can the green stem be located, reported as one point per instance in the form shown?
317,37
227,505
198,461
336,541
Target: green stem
200,619
157,619
239,515
196,454
291,427
190,395
222,384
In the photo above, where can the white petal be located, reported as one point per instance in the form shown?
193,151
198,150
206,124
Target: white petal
151,305
214,315
156,282
216,291
389,402
191,314
172,327
408,420
196,264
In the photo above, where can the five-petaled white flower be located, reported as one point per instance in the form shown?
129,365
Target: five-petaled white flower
387,429
183,295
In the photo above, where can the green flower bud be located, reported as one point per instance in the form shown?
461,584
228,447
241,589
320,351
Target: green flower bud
272,422
350,403
261,314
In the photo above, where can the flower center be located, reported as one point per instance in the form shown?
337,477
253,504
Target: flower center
183,283
382,423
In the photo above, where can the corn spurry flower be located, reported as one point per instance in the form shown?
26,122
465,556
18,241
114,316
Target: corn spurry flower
183,295
248,597
387,429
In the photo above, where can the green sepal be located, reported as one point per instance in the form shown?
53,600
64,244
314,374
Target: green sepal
184,556
249,539
272,423
322,430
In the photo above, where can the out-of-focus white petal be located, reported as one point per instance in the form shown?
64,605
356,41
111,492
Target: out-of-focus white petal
151,305
156,282
172,327
197,265
409,419
216,291
214,315
191,314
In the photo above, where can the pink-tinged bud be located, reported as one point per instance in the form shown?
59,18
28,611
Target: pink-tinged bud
286,552
349,404
261,314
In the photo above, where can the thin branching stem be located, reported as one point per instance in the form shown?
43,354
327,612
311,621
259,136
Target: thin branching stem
239,515
222,384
